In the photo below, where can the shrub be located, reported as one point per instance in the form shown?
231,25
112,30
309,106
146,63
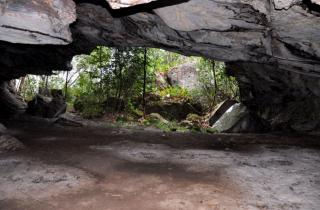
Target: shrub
174,93
89,106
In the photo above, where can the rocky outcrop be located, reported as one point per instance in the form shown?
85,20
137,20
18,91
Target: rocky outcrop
285,99
172,110
11,103
239,119
272,40
228,31
51,106
219,110
185,76
37,22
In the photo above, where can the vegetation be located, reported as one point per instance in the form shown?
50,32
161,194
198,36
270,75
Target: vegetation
122,81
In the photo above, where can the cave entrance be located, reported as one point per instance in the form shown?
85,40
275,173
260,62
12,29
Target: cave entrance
133,87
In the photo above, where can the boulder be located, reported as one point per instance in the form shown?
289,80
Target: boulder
171,110
238,119
250,124
220,110
2,129
9,143
161,80
185,76
48,107
231,117
68,119
11,104
157,116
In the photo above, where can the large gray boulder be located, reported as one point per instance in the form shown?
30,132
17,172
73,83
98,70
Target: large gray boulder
185,76
238,119
231,117
11,104
48,106
220,110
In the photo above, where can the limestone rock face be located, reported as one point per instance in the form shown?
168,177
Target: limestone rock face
36,22
286,99
185,76
233,30
231,117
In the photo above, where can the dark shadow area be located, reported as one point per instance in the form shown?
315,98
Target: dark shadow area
311,6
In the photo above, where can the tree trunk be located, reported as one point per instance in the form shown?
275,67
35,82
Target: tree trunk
215,83
66,86
144,81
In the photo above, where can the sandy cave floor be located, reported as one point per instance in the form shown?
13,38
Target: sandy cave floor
118,168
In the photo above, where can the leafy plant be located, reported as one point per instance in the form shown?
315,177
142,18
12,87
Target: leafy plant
174,93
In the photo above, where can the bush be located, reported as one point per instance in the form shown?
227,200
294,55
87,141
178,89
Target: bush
89,106
174,93
159,122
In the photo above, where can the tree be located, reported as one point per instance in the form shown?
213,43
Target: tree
144,80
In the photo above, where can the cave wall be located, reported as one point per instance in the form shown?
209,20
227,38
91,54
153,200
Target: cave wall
271,46
287,100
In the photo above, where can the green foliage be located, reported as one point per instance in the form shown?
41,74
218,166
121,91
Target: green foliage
174,93
118,74
216,86
169,126
89,106
162,61
30,89
193,117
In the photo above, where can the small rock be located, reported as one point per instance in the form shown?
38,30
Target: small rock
10,143
220,110
157,116
230,118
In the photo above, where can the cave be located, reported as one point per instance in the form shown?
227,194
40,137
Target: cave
271,47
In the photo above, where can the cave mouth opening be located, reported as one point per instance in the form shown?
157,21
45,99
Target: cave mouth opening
132,86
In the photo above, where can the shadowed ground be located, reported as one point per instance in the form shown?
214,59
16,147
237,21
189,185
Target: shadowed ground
118,168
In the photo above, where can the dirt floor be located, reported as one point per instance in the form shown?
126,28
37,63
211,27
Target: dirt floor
118,168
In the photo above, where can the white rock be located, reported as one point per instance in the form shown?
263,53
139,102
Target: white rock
230,117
